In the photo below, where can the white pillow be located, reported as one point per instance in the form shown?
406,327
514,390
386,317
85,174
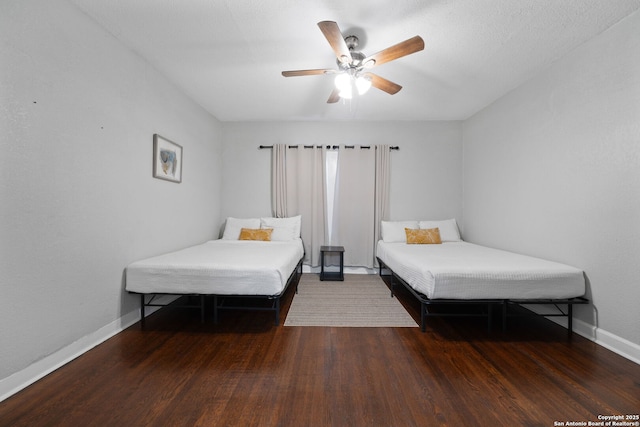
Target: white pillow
448,229
233,226
283,228
393,231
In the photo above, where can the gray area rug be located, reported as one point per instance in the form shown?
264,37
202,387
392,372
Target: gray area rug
362,300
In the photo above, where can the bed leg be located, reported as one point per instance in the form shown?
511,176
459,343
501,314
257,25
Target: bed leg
142,315
504,316
489,318
277,311
570,320
215,309
201,308
423,317
393,285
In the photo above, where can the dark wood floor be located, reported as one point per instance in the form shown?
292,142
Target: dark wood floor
247,372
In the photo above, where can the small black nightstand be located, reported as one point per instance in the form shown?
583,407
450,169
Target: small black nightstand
331,275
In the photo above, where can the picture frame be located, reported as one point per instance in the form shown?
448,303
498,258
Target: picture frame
167,159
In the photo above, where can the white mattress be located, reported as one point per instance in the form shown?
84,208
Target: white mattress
461,270
220,267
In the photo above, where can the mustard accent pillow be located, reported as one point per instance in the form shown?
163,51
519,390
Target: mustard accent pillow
428,236
256,234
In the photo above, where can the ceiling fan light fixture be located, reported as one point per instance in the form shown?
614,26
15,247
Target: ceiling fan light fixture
347,83
363,84
343,82
346,93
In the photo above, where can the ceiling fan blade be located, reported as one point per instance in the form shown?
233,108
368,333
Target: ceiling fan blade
407,47
315,72
334,97
333,35
383,84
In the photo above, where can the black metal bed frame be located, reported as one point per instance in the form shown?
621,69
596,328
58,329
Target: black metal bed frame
426,302
219,301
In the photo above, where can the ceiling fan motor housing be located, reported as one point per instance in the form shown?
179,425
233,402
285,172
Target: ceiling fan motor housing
352,42
356,57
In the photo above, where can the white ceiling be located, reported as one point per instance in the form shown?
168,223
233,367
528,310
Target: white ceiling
228,54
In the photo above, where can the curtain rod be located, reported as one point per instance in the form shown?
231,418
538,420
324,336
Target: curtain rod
334,147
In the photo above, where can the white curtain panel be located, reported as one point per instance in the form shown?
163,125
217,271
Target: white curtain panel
354,205
383,184
279,181
298,189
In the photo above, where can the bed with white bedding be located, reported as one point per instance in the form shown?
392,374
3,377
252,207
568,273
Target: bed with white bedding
453,271
227,267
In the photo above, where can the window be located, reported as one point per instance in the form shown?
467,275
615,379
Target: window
331,170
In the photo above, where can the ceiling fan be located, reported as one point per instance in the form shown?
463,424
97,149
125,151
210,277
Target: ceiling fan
352,74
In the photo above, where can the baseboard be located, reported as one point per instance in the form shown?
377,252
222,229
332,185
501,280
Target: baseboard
37,370
618,345
623,347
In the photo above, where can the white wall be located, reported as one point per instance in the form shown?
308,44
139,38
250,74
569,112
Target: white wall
77,197
553,169
425,173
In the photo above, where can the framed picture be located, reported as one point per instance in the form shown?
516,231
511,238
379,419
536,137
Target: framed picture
167,159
